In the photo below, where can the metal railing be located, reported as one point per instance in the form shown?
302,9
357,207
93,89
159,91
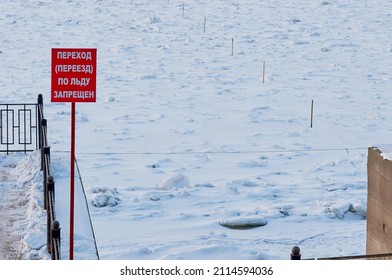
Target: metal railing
19,127
23,128
296,255
53,243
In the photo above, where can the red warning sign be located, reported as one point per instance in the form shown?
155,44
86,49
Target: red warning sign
74,75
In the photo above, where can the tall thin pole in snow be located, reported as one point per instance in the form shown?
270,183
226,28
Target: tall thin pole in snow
311,114
72,184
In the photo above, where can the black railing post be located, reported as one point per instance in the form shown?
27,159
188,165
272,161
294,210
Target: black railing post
40,99
42,125
295,253
56,238
45,156
40,104
48,185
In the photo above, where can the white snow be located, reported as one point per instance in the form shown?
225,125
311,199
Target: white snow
186,134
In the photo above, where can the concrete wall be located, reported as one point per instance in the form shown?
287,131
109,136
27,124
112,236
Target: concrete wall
379,204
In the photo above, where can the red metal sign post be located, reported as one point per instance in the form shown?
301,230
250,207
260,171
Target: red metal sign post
73,80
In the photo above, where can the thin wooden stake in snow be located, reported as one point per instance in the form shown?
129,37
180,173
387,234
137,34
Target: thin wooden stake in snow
263,71
232,46
311,114
183,8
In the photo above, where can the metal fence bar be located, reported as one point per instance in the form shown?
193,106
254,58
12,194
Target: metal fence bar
295,255
387,256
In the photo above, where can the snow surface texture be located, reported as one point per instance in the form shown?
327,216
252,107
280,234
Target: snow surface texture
22,214
188,129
